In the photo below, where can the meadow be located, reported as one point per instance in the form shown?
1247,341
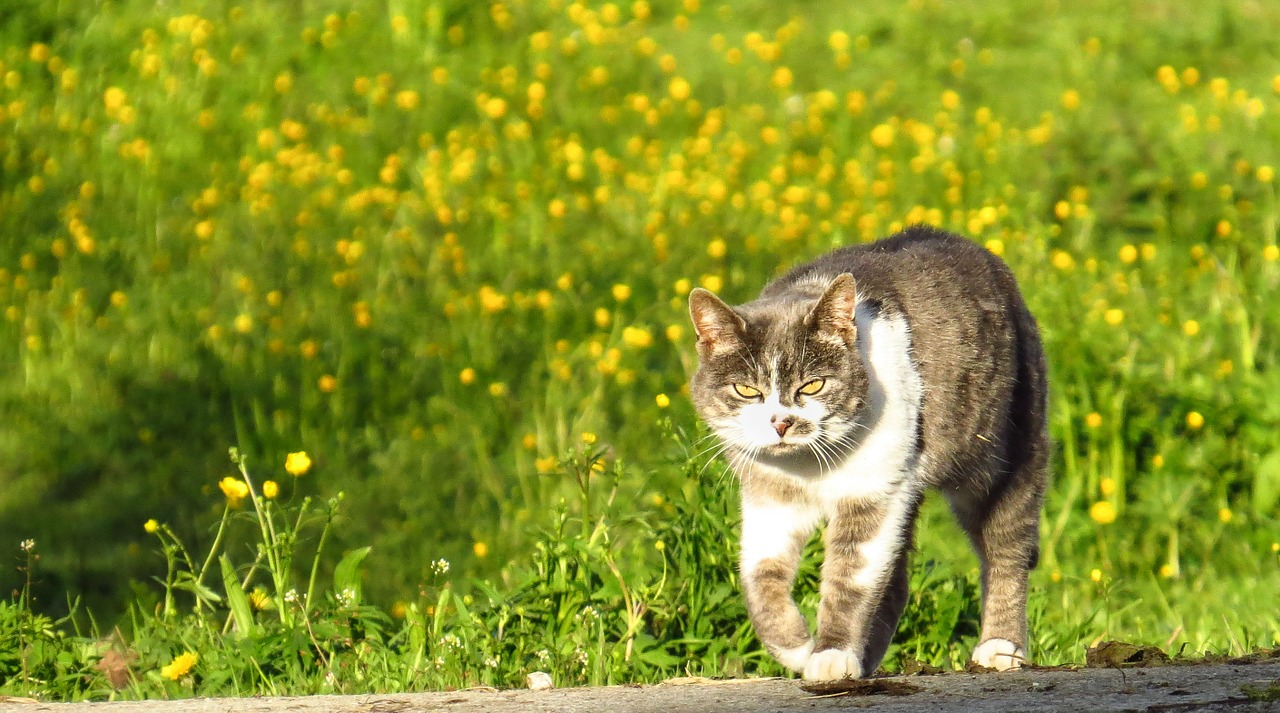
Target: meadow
420,268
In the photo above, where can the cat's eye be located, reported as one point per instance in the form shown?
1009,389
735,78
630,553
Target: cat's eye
746,392
812,386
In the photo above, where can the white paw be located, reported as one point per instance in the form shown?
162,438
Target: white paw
832,665
1000,654
795,658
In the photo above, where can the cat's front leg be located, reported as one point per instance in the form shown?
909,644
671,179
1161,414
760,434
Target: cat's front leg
863,586
773,537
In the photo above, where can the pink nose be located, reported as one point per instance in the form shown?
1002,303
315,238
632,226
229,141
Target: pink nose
782,424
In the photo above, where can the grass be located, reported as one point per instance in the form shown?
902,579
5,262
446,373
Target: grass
443,248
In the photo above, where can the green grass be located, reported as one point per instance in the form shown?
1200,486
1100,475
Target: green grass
443,247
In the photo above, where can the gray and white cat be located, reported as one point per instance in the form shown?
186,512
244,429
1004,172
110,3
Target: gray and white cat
850,386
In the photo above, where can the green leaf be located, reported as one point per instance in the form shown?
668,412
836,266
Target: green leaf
347,574
1266,484
187,581
241,612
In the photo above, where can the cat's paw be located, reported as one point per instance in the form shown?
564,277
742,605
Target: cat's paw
795,658
1000,654
832,665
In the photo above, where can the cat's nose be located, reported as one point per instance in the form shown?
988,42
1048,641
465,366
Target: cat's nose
782,424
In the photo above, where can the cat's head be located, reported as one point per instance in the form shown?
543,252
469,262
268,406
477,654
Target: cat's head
780,378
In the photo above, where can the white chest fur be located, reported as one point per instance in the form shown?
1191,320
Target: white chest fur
881,468
886,455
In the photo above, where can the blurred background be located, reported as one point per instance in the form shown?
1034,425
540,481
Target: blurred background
440,244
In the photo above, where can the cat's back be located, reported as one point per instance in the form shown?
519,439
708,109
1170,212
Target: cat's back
909,270
972,339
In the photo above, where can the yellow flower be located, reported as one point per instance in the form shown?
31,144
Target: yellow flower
1191,328
497,389
1103,512
480,549
327,383
1093,420
1063,260
1271,253
621,292
679,88
495,108
637,337
1071,100
588,437
407,100
662,400
270,489
114,98
1107,486
180,666
1113,316
1224,514
151,526
297,464
234,488
1128,254
1095,574
467,376
259,599
1195,420
882,135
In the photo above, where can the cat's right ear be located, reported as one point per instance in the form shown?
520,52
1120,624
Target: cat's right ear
719,328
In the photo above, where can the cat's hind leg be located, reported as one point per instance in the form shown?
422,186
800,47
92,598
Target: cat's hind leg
1004,526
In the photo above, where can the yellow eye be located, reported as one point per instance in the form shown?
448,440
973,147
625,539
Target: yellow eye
746,392
812,387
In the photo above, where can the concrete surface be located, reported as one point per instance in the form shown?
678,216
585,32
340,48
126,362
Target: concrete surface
1234,687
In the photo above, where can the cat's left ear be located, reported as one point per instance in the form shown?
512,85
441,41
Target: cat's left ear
833,314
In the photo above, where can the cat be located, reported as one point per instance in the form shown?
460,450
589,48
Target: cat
850,386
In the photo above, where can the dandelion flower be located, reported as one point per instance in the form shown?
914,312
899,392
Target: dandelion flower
1103,512
297,464
679,88
637,337
180,666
